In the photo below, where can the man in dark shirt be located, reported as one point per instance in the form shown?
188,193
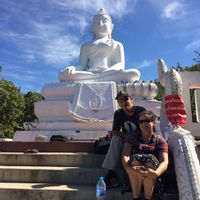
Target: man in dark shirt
125,122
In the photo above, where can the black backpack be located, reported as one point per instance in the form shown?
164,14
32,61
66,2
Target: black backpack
58,138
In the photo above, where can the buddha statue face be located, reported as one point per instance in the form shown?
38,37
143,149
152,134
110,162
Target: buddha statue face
102,24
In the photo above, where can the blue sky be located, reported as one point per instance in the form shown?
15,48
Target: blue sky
40,37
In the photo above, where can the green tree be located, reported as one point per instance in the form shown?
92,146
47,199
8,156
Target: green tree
161,91
30,99
197,59
195,67
11,108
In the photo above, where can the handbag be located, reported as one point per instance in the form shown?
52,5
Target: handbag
101,145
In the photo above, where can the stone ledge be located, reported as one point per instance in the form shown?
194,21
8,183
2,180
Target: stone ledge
69,146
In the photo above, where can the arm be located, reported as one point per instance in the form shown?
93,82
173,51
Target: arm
117,124
83,58
117,57
161,168
126,155
163,165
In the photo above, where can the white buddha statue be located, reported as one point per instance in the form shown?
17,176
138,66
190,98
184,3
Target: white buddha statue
102,58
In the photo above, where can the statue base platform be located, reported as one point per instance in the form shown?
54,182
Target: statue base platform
82,110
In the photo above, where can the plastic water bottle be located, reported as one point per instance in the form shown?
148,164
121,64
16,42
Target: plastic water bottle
101,189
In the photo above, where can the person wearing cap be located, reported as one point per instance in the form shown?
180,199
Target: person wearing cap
125,122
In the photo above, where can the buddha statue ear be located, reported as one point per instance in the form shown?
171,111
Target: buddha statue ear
111,29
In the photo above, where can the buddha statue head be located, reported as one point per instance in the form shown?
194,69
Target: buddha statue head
102,24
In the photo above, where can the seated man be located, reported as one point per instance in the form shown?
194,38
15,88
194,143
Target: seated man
125,121
101,59
145,156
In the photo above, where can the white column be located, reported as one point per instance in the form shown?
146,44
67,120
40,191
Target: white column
197,103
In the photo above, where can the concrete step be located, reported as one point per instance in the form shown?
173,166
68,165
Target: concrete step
68,146
100,126
50,174
51,159
54,176
48,191
30,136
44,191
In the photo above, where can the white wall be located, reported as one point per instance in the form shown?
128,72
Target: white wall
191,80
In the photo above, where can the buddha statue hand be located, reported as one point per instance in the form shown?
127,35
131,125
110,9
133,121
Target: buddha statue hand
66,72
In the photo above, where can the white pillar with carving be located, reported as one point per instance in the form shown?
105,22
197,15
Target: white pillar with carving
186,163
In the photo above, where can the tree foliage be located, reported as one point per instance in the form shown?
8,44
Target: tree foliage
197,59
195,67
30,99
11,108
161,91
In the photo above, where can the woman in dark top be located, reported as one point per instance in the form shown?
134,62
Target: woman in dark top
145,156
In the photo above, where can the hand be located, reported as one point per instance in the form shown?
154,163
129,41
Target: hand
151,173
139,169
101,69
66,72
69,69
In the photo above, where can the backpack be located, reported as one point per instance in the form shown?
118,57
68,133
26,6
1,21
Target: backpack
101,145
58,138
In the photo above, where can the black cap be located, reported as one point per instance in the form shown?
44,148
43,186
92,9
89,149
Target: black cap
122,94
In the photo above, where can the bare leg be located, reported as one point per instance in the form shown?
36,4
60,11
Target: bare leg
70,74
119,75
149,184
148,187
136,180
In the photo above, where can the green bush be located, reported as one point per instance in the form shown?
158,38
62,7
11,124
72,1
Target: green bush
12,107
30,99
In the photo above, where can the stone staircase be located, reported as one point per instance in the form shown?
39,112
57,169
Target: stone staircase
54,176
51,176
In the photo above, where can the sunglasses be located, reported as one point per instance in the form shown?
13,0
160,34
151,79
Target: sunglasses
145,121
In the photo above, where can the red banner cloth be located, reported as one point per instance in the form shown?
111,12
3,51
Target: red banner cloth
175,110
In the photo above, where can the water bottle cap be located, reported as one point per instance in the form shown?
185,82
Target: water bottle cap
101,178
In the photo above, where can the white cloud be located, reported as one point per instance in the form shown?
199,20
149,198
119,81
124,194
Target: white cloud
145,63
192,46
46,43
116,8
174,10
61,50
19,73
18,76
54,35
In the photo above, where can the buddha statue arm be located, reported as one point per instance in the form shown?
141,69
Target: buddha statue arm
83,58
117,62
